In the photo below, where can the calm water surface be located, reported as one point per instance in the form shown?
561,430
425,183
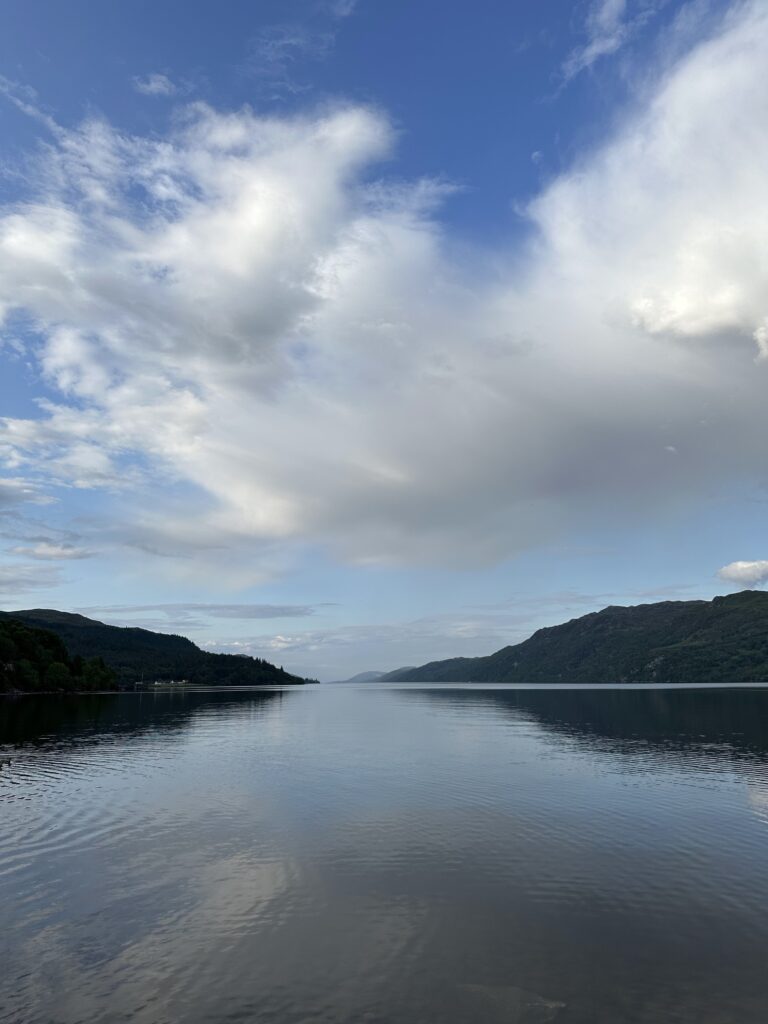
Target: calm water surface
336,854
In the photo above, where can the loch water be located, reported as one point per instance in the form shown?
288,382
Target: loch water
389,855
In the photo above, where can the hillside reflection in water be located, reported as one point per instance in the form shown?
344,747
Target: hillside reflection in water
336,854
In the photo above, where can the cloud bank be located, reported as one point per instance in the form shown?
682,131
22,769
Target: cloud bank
249,314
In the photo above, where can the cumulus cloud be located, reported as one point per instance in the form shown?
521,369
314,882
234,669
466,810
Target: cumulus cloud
239,312
694,263
745,574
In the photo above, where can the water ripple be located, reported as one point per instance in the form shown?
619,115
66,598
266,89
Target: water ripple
385,855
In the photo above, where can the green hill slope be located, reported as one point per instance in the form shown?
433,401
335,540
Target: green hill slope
36,660
724,640
132,653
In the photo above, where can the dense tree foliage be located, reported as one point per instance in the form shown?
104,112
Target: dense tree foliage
36,660
136,654
720,641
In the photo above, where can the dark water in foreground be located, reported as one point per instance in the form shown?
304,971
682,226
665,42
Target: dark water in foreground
386,855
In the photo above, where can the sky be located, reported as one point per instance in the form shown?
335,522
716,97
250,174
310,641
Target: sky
354,335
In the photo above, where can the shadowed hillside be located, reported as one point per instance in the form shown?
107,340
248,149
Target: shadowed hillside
132,653
724,640
36,660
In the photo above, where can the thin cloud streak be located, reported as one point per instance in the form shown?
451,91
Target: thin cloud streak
216,611
18,580
609,26
47,551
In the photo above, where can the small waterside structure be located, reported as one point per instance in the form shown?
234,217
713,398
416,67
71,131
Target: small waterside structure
142,685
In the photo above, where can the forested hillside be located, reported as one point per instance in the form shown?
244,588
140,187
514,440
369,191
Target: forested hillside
36,660
724,640
134,654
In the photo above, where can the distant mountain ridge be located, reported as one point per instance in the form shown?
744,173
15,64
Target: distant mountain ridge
723,640
132,652
363,677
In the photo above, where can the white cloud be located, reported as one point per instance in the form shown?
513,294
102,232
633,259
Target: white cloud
216,611
24,98
155,85
193,614
606,31
17,491
278,52
342,8
273,351
48,551
189,617
677,201
745,574
609,26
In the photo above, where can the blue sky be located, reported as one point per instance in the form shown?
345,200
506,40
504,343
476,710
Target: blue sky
354,335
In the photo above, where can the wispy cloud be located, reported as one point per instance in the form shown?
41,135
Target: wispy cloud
18,580
155,85
342,8
45,551
609,25
564,601
190,617
16,490
279,52
216,611
25,99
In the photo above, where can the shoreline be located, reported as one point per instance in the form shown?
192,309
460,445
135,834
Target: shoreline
752,684
63,693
